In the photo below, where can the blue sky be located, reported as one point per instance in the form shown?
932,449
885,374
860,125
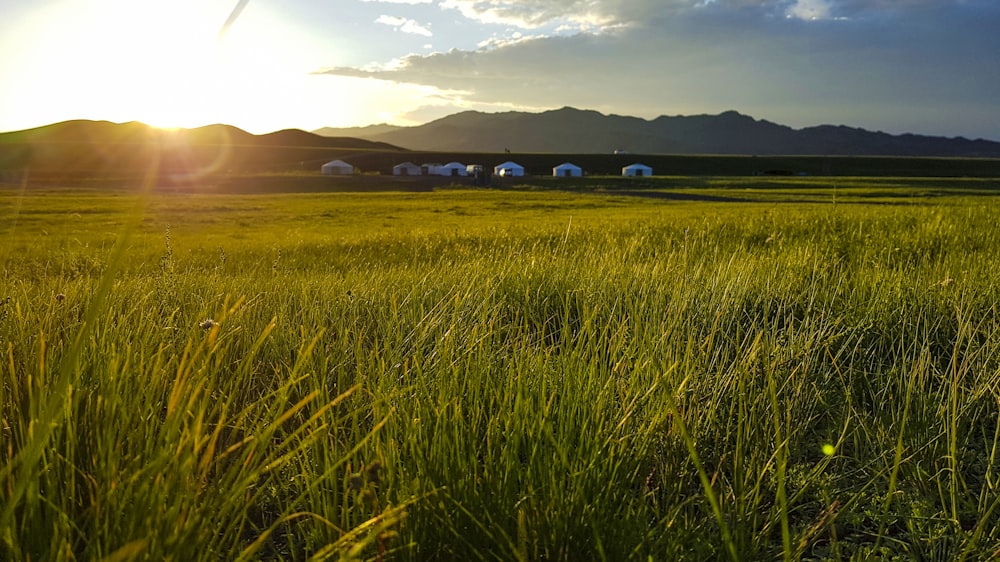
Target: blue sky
921,66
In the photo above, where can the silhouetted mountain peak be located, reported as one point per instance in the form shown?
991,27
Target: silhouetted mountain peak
569,110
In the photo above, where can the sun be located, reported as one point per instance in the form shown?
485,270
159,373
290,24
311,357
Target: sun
173,76
162,63
167,65
115,60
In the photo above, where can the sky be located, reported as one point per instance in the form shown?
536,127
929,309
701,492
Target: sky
918,66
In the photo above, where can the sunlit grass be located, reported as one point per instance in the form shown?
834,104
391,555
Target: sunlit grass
513,375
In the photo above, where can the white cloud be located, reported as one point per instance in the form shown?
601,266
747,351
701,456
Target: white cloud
810,10
391,20
400,1
596,15
405,25
499,41
530,14
413,27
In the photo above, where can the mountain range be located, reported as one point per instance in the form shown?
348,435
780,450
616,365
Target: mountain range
570,130
101,153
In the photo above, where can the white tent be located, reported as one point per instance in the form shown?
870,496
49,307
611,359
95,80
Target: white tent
637,170
337,168
567,170
453,169
406,169
508,169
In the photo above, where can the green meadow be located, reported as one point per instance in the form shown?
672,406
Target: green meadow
700,369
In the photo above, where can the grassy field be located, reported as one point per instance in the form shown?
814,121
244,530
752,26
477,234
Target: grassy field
705,369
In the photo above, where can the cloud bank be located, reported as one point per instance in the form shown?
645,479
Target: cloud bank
405,25
534,13
901,65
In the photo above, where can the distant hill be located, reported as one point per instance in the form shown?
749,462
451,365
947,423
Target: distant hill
570,130
100,149
357,132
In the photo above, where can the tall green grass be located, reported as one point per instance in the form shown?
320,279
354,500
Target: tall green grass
500,376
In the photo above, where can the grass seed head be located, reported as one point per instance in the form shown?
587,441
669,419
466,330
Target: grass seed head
207,324
372,472
356,482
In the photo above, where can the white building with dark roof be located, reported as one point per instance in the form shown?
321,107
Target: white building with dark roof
567,170
406,169
337,168
638,170
508,169
453,169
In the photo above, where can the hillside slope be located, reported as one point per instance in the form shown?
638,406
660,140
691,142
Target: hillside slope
95,149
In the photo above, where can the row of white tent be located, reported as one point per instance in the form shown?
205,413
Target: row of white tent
337,168
507,169
454,169
572,170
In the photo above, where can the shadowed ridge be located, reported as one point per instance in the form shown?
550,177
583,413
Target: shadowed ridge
298,137
79,130
572,130
103,132
357,132
81,150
